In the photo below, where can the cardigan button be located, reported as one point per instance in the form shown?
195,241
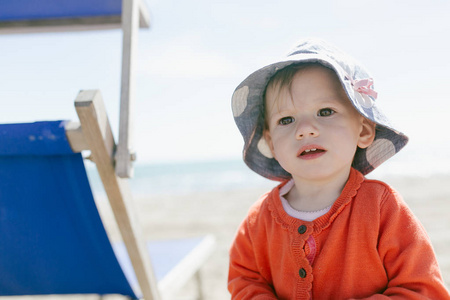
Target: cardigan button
302,273
302,229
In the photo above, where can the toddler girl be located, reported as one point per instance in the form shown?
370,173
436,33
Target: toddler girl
312,122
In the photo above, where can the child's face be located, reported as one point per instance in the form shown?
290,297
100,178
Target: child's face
313,129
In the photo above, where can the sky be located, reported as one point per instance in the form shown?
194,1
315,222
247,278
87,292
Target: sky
196,52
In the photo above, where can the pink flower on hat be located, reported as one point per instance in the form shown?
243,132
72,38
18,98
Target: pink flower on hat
364,91
363,86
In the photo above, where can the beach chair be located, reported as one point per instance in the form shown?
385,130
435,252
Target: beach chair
52,239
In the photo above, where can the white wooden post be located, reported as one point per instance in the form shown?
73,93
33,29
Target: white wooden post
130,27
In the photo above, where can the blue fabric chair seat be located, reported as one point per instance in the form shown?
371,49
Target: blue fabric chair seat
52,240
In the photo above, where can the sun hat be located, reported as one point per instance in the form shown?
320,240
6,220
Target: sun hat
248,109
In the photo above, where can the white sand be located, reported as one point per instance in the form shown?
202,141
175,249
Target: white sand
220,213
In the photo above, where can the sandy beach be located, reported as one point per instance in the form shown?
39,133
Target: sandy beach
220,213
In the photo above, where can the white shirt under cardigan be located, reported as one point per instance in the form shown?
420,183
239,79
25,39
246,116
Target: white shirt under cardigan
301,215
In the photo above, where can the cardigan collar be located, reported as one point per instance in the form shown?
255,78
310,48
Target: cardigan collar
348,193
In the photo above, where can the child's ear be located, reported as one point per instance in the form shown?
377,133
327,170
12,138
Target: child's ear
268,138
367,134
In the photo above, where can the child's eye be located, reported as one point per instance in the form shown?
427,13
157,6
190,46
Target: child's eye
325,112
286,120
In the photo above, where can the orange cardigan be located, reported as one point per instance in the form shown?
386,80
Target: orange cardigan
369,245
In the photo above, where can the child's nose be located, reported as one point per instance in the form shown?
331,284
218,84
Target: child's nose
306,129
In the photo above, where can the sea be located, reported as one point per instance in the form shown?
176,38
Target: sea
181,178
152,179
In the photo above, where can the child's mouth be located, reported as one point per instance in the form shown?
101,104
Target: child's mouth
311,151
